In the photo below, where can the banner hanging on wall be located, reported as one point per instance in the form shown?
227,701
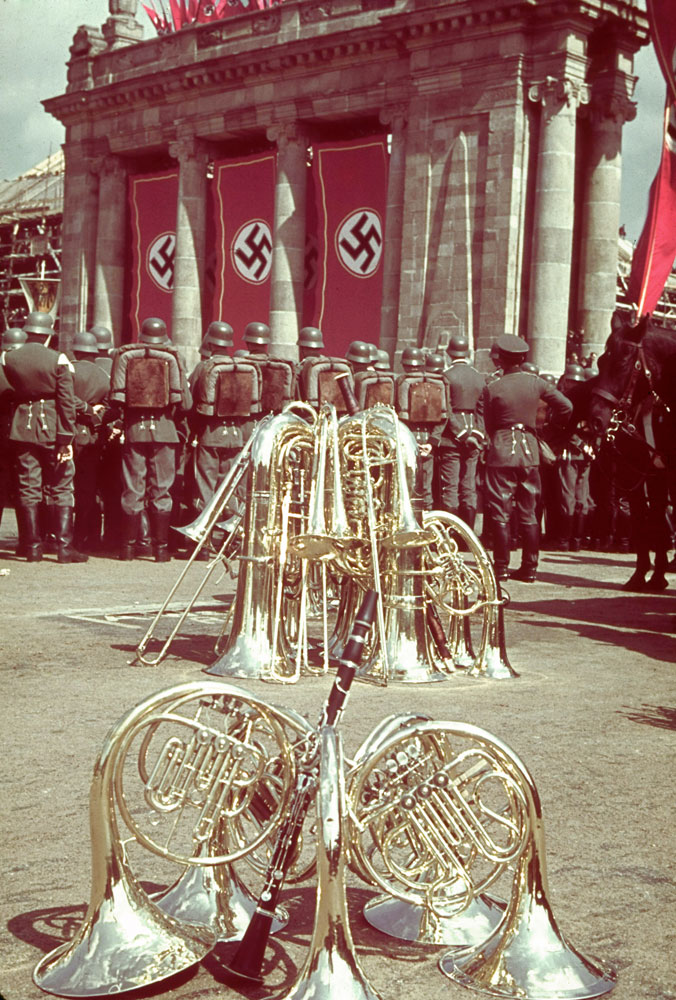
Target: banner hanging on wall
152,200
347,198
243,209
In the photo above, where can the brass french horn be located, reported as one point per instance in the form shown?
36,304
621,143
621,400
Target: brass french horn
209,758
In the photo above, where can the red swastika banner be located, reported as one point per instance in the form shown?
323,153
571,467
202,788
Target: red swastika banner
152,201
243,207
347,197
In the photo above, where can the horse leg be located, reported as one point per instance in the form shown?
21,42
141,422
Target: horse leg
639,517
658,497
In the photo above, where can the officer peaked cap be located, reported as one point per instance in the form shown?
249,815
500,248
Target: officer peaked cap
509,344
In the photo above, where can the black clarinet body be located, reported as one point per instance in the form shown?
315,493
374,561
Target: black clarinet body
247,961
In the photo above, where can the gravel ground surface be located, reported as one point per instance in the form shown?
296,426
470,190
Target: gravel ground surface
592,715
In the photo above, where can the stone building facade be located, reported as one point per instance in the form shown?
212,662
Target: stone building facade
505,120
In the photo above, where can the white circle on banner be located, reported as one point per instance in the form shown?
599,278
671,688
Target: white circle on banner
359,242
251,251
160,261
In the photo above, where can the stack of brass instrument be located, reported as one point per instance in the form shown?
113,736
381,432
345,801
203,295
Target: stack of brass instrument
330,512
434,815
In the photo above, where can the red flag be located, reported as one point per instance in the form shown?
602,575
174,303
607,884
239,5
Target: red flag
243,209
656,248
348,193
152,200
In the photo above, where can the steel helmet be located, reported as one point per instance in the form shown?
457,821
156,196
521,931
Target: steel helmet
574,373
412,357
104,337
257,333
85,342
153,331
382,362
310,336
458,346
13,337
435,362
39,323
531,367
548,377
359,352
219,335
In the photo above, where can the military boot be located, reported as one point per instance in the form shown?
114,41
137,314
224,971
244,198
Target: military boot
63,532
530,553
159,526
30,532
501,549
129,528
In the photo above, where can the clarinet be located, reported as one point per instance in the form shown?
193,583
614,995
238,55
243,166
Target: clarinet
247,961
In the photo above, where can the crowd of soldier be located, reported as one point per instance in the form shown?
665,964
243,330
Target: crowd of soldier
106,449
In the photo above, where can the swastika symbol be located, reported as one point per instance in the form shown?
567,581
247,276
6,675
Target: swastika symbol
252,251
160,260
359,242
311,258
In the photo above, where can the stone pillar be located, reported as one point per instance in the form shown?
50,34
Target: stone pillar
601,217
550,271
78,235
396,118
186,308
287,274
110,246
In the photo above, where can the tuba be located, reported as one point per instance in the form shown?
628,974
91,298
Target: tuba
277,491
200,775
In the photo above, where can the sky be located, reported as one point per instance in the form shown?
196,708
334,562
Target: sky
35,36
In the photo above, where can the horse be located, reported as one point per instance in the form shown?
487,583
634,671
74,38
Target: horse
634,406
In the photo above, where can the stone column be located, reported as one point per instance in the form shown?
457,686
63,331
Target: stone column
287,274
122,28
396,118
601,217
78,234
550,270
186,307
110,246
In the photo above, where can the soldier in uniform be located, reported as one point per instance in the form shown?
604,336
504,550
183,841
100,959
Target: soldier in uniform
149,385
463,437
105,346
510,407
42,430
257,339
91,384
12,338
427,420
219,438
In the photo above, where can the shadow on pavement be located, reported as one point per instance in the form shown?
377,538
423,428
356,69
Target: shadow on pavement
652,715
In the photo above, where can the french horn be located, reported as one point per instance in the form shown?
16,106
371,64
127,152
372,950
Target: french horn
199,775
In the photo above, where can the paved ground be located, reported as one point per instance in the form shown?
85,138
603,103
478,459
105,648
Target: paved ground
593,715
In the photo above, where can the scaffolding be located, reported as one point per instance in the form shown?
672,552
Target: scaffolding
31,211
